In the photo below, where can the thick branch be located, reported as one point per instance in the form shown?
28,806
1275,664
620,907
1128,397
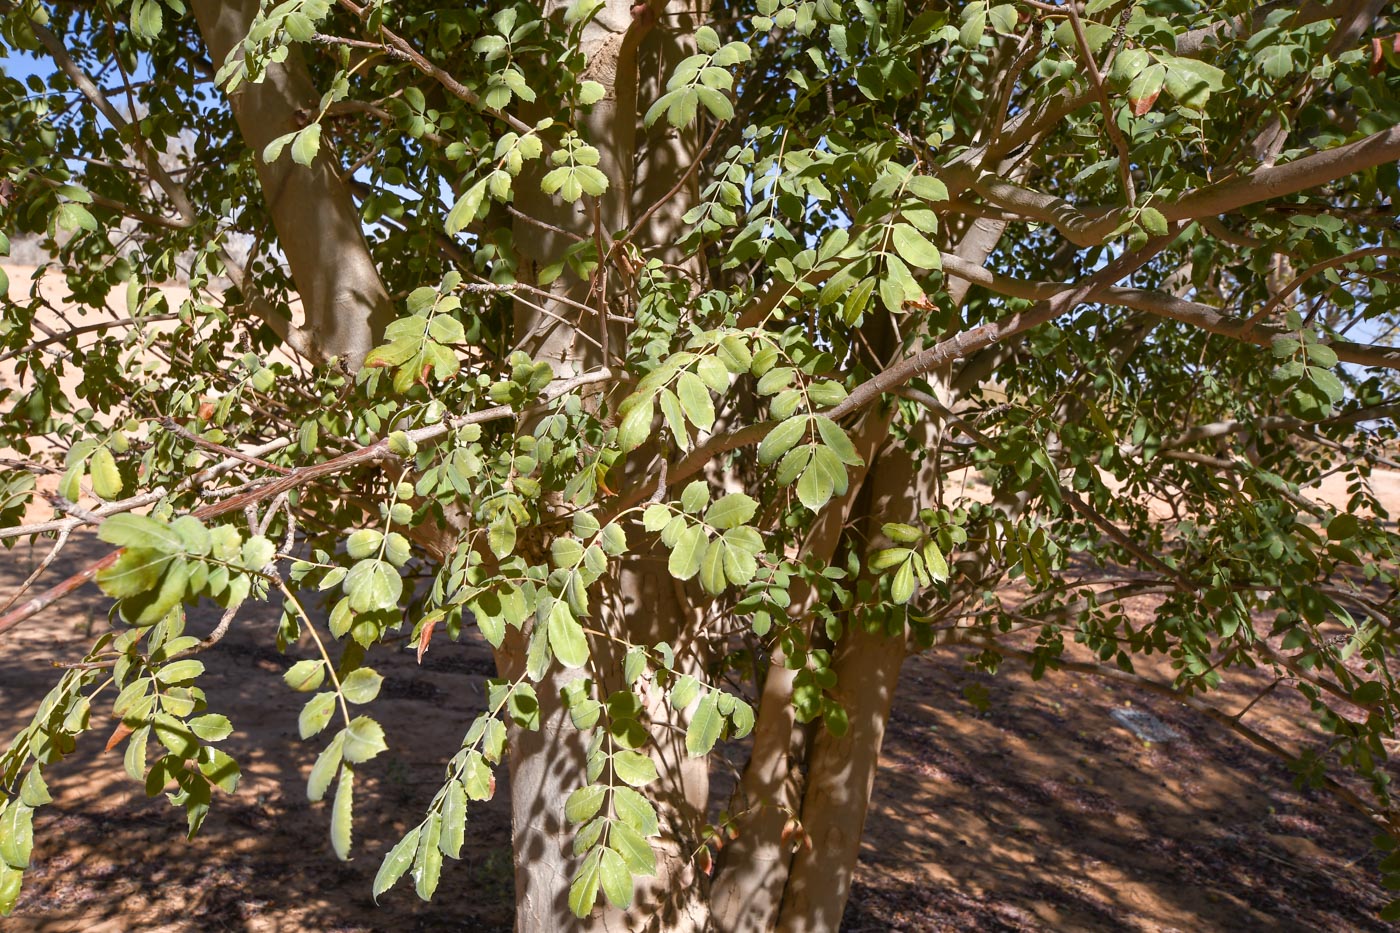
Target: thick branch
1090,226
1168,306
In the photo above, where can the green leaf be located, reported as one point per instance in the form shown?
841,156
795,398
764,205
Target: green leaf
221,770
16,834
325,769
305,676
175,735
705,727
140,531
427,867
565,552
566,636
500,535
106,480
775,380
364,739
454,820
836,440
10,882
342,814
466,208
1003,18
636,811
1127,64
257,552
716,102
583,893
1144,88
75,217
927,188
781,439
373,584
815,486
695,496
1192,81
211,727
178,672
1343,526
477,780
395,863
675,418
695,399
740,564
146,18
974,24
902,586
361,686
684,562
71,486
306,145
363,543
733,510
585,802
634,768
684,691
635,851
1276,60
914,248
316,714
712,576
1319,354
635,428
934,560
656,516
1153,221
1327,383
34,792
134,761
616,879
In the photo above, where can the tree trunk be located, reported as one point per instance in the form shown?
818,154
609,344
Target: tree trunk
639,603
841,771
548,764
753,867
318,227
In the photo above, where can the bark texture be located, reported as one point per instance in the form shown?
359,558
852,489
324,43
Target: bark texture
627,47
343,298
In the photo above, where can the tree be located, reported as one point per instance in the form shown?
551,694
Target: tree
650,337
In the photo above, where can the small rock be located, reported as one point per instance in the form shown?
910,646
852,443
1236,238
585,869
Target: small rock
1144,725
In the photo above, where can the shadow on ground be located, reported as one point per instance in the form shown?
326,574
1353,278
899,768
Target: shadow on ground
1042,813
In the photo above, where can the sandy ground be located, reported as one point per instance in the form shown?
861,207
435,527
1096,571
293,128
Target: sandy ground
1042,814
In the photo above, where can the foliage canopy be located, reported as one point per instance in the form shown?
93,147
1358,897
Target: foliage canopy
655,341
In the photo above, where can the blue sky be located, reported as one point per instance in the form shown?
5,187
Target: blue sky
22,64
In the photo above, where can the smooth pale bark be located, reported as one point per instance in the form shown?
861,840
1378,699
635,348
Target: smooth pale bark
841,771
548,764
753,867
317,225
639,603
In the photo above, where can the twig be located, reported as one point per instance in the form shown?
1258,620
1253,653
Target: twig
175,428
378,450
694,167
43,565
1110,124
